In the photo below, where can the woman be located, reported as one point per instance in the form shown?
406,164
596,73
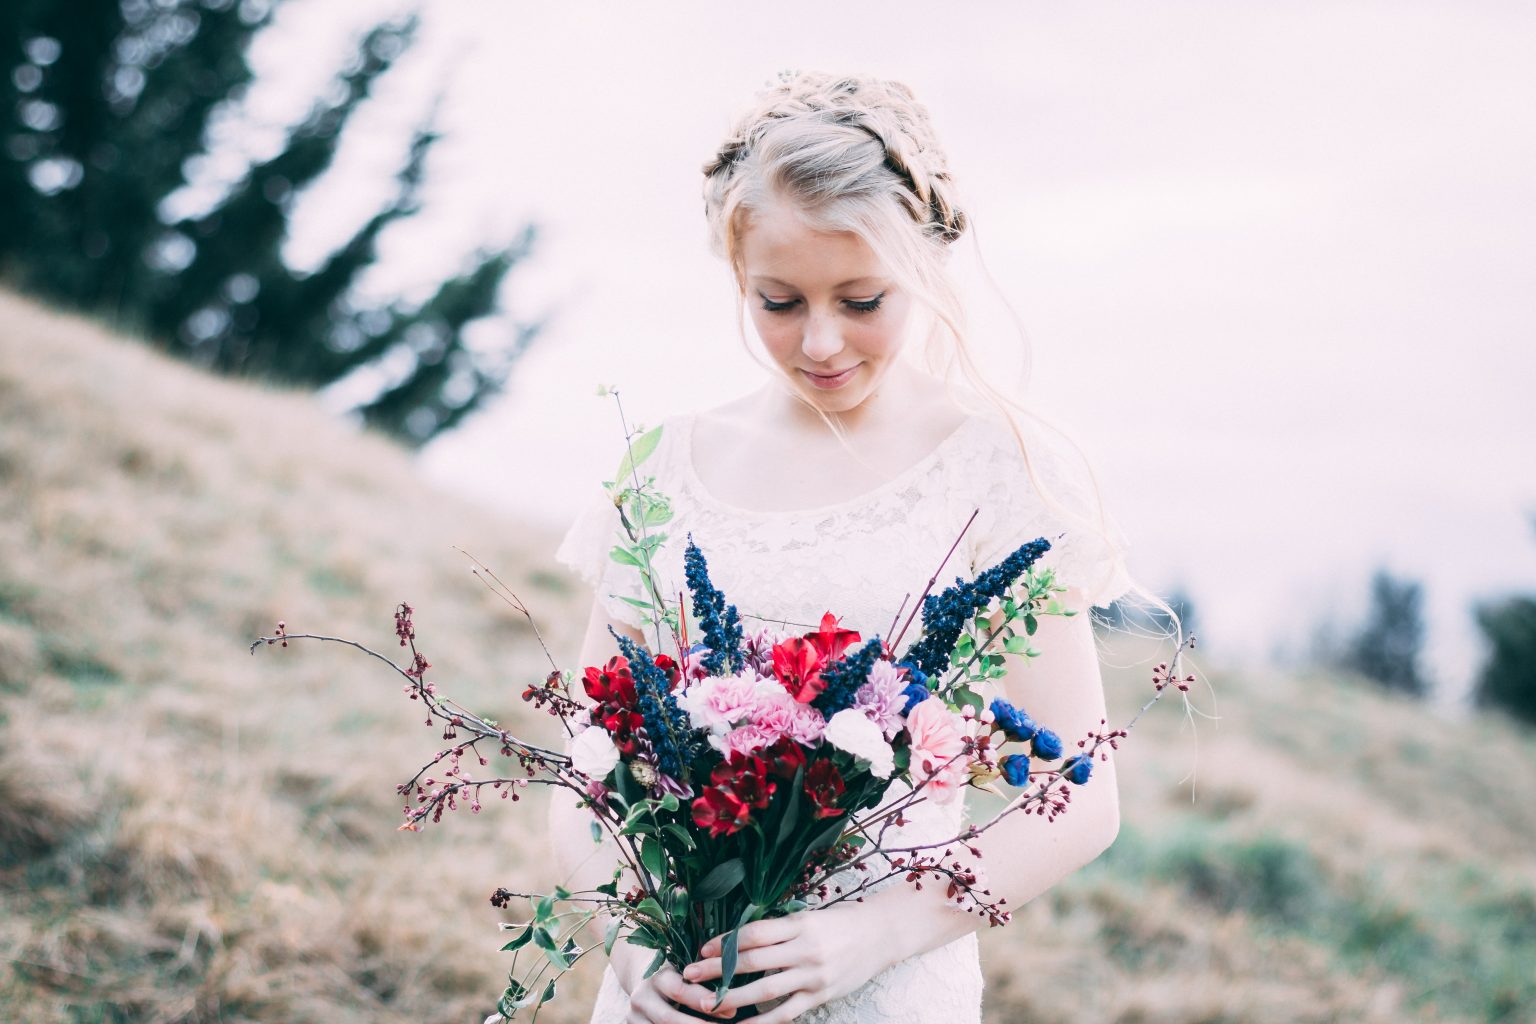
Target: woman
841,484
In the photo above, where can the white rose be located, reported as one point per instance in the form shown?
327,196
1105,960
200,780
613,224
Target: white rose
852,730
593,753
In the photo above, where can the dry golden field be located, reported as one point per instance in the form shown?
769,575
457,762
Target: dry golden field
189,833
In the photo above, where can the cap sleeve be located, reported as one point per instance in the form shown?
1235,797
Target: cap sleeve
1013,512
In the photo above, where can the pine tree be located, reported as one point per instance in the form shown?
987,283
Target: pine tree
104,106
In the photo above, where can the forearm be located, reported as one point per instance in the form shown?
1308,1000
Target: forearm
1023,856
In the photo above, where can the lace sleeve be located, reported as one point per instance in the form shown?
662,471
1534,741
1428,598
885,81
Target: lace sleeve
1013,512
584,550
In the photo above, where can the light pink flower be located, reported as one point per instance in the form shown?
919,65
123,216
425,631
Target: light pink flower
777,714
717,705
883,697
938,737
746,739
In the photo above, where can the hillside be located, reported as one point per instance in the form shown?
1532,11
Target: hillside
189,833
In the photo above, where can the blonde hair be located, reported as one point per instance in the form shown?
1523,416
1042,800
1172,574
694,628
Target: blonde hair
858,154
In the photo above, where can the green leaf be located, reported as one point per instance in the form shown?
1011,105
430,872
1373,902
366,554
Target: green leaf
728,952
661,958
519,940
549,992
1031,624
634,601
793,906
658,513
651,909
638,451
611,935
679,833
653,857
597,831
562,893
1016,645
669,802
623,556
721,880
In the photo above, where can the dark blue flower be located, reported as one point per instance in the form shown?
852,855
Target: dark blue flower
1015,722
1077,768
843,678
667,726
1015,769
915,693
1046,745
945,614
718,621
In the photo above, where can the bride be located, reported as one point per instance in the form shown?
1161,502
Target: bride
841,483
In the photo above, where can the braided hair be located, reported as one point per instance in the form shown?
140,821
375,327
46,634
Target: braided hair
821,139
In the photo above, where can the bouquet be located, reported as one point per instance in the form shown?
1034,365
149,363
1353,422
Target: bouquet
744,775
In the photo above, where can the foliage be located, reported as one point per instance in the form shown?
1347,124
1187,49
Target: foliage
1507,680
1388,644
104,107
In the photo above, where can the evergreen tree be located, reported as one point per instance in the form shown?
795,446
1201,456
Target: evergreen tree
106,103
1508,679
1388,644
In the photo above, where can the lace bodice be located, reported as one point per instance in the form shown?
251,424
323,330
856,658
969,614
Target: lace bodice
858,558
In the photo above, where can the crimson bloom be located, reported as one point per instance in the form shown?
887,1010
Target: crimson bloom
797,664
824,784
720,812
784,758
830,641
612,687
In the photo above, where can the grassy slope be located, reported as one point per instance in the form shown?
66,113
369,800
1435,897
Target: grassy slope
188,833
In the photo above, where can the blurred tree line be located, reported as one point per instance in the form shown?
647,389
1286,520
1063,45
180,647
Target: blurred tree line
104,107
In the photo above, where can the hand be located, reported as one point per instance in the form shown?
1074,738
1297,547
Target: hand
815,957
654,1000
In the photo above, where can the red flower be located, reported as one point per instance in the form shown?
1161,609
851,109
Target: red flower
784,758
720,812
824,785
746,777
674,671
614,683
612,687
797,664
831,641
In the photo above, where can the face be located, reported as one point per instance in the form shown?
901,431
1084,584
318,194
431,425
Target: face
827,309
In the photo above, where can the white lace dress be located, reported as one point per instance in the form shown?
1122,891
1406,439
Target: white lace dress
858,558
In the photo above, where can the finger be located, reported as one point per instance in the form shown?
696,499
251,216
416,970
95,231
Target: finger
671,985
788,1010
774,986
758,933
649,1006
762,958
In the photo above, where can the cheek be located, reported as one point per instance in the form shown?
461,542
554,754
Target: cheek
779,334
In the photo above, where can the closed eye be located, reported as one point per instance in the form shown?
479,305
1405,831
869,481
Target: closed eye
777,307
865,305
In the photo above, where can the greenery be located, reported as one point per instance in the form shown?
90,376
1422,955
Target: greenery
106,106
1388,644
1507,680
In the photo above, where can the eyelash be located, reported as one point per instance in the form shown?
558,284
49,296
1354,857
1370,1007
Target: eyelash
866,306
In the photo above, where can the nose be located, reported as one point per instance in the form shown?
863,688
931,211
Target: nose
823,338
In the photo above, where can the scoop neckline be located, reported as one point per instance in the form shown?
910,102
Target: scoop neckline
685,457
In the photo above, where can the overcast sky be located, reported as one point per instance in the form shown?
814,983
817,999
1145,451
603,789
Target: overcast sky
1275,262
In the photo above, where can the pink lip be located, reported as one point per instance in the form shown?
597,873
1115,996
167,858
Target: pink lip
830,381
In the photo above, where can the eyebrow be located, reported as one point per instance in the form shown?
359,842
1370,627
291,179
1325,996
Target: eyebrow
845,284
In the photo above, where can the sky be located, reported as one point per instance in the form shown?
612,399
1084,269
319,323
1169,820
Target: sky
1273,262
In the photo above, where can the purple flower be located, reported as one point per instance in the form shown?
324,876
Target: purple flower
883,697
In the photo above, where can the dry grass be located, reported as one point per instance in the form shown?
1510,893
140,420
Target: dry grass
188,833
